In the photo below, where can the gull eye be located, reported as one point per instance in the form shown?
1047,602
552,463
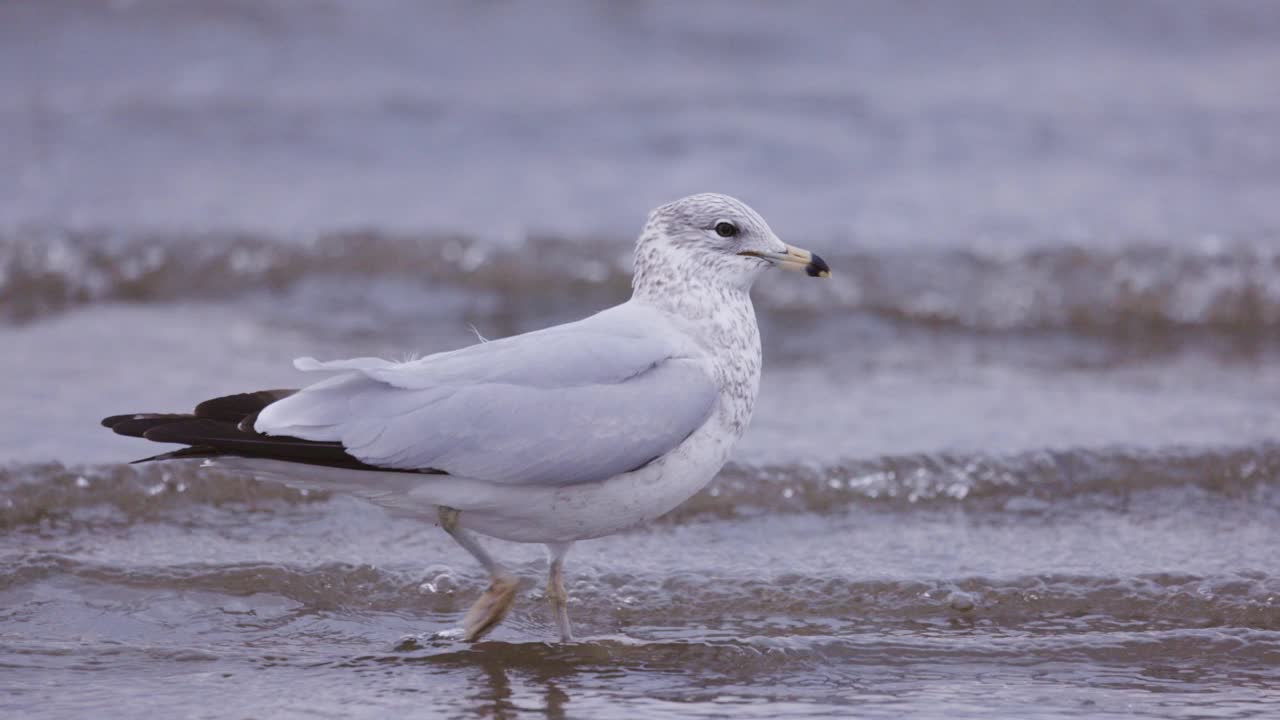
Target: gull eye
726,229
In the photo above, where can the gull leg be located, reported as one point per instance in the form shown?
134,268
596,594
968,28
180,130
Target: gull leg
493,605
556,595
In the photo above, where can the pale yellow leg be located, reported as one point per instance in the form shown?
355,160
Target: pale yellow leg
556,595
492,607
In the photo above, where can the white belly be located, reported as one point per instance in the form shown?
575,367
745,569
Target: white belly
526,513
578,512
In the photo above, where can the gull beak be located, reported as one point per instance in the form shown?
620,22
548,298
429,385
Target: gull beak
794,259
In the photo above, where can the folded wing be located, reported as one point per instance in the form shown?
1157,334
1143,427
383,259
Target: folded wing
572,404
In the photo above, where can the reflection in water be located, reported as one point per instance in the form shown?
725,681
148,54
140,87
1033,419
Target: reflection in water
490,692
486,669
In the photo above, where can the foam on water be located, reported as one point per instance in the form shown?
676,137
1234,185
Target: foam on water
1100,288
1039,483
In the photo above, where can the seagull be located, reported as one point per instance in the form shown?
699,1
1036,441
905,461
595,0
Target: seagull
572,432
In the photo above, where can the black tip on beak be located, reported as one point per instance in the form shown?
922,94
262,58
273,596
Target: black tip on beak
817,267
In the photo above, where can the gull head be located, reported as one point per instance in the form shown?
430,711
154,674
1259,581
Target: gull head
713,239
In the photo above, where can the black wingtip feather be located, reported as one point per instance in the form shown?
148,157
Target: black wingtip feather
138,425
224,426
234,408
111,422
195,451
227,438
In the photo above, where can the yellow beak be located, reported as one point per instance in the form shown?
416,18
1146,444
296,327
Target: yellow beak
795,259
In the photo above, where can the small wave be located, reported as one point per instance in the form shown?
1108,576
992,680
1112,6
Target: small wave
1097,290
49,273
1046,603
1022,482
1232,288
1025,482
124,494
786,652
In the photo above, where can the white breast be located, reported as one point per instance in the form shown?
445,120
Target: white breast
590,510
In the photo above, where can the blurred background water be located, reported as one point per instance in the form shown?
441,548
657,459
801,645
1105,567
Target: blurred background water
1016,459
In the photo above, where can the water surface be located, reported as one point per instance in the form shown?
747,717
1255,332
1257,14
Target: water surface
1018,458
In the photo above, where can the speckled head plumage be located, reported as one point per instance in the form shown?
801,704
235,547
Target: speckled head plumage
712,239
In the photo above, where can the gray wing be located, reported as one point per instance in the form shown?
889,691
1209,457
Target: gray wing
576,403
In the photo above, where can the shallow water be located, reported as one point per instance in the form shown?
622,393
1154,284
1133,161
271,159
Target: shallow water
1018,458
